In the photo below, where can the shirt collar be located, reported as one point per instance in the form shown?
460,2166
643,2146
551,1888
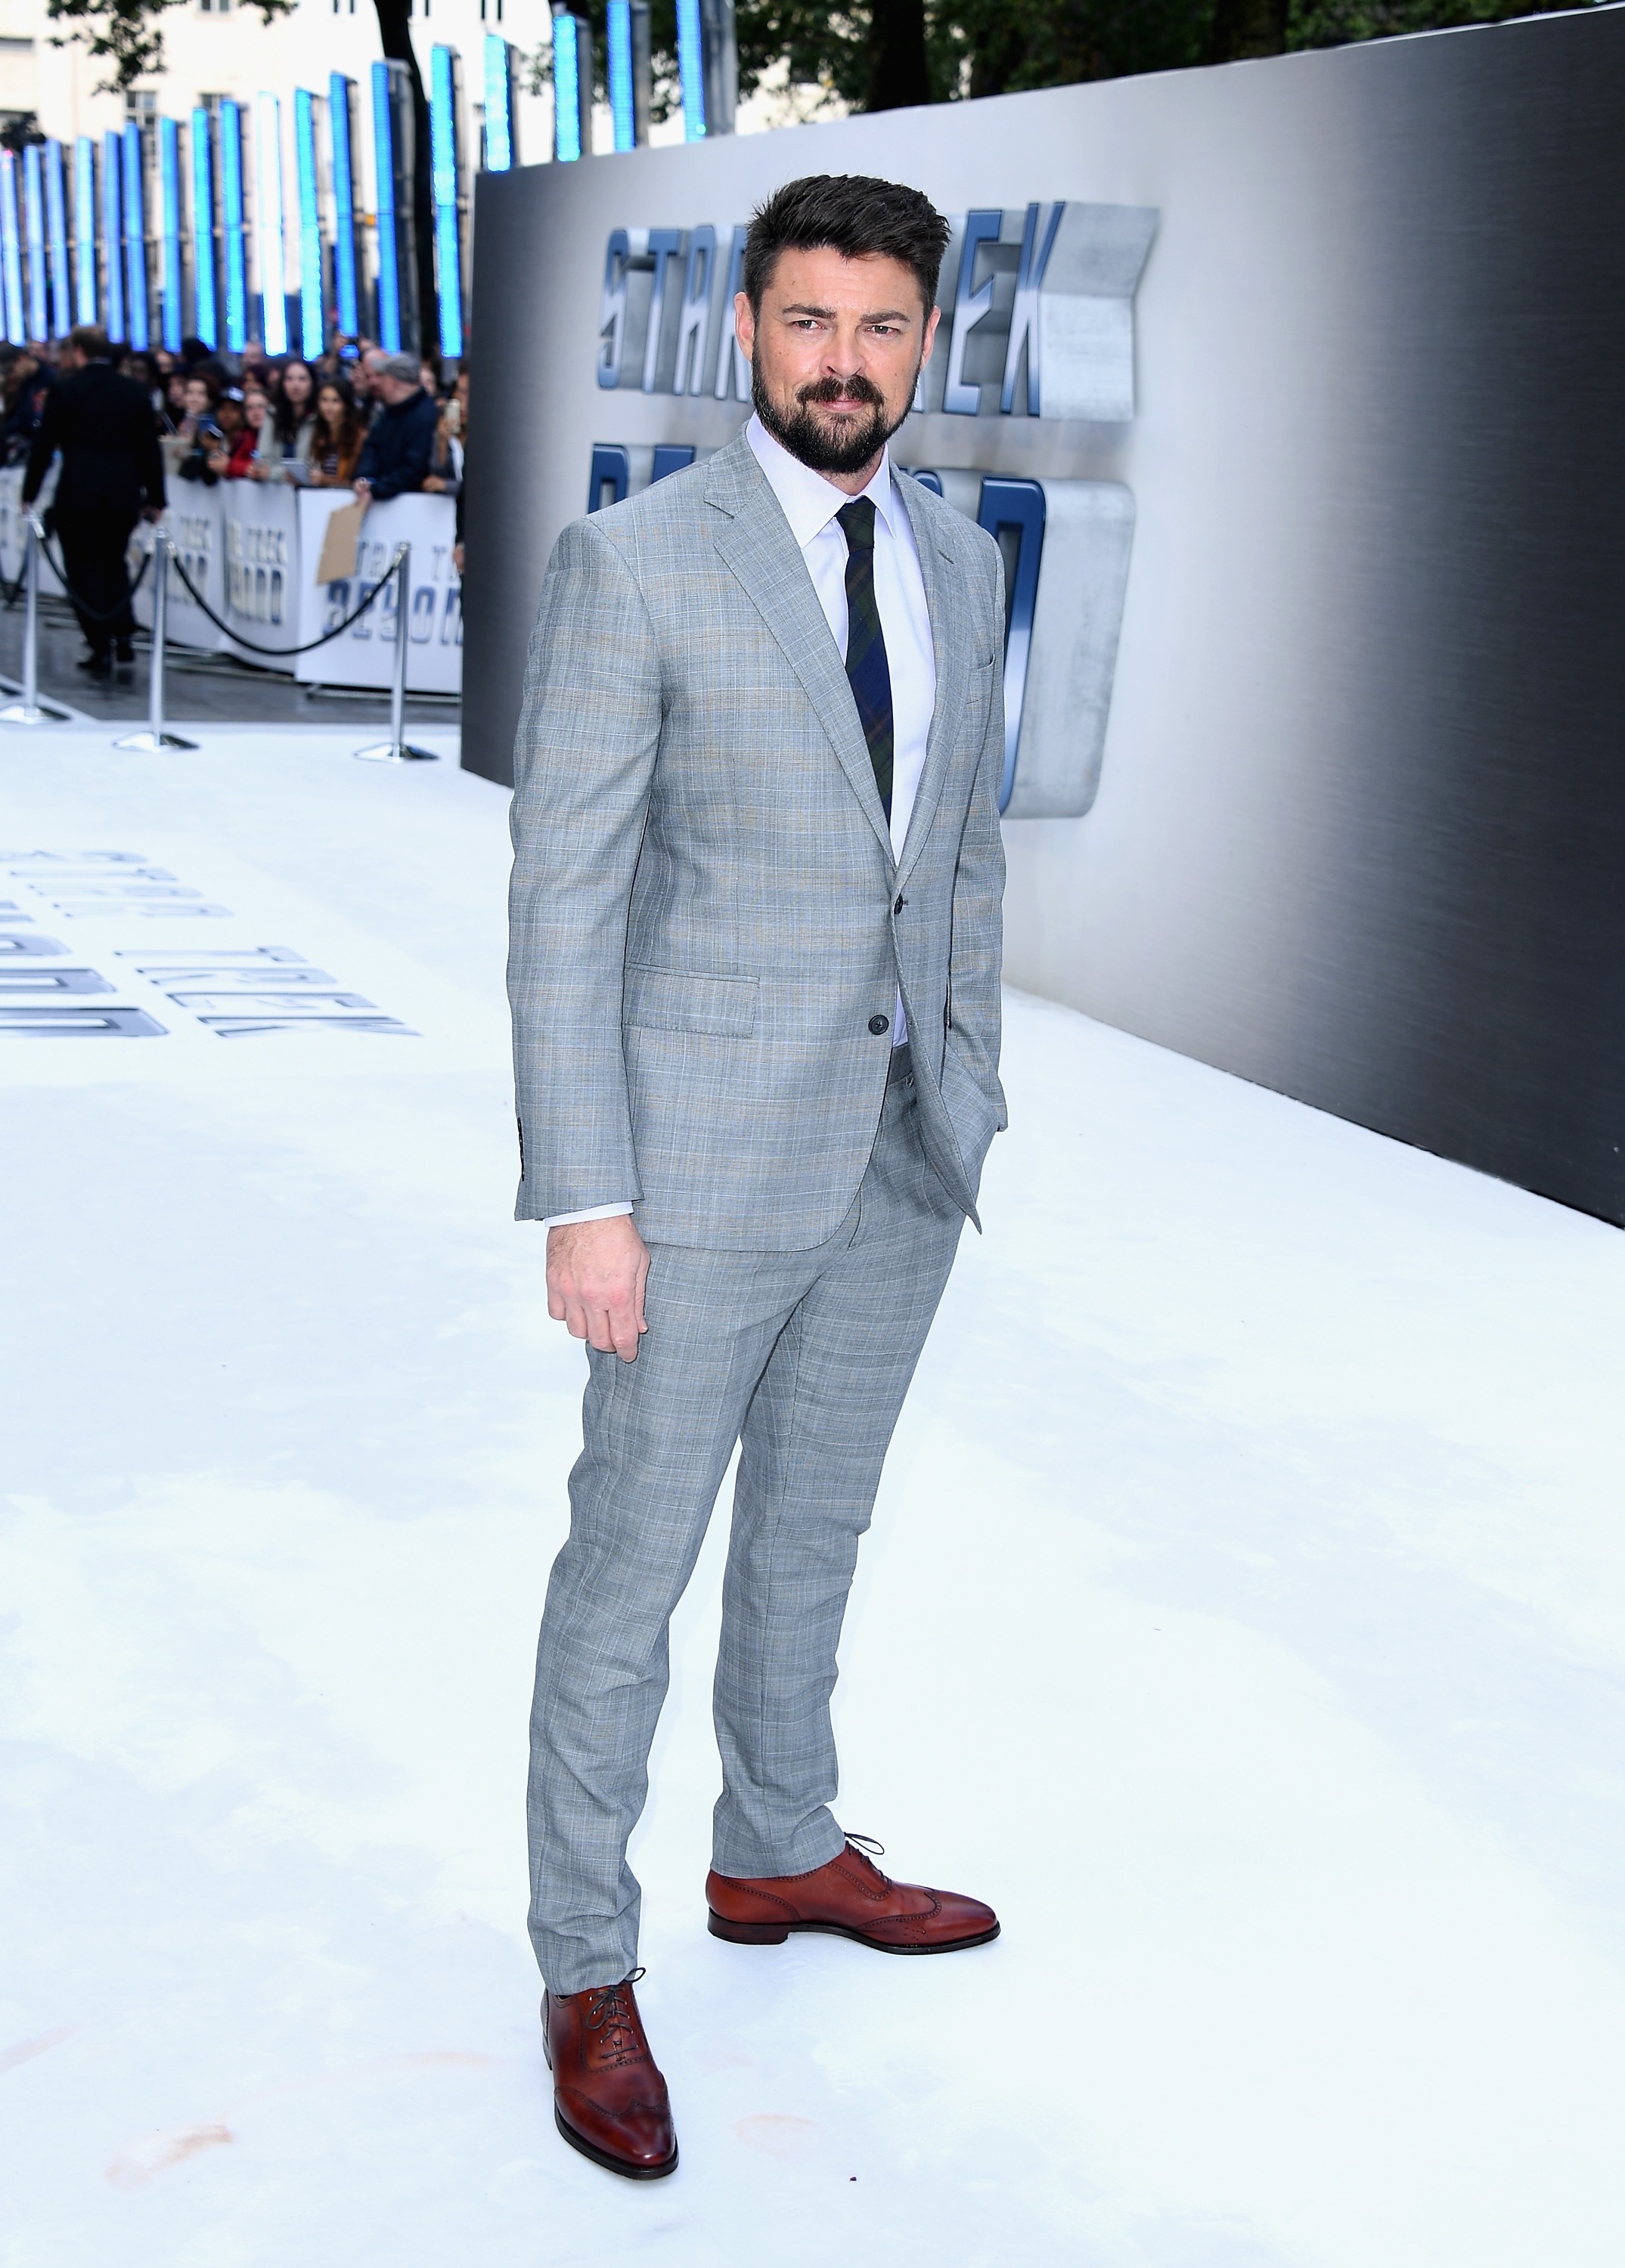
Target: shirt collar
810,502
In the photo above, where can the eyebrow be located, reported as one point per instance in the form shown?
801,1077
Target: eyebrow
869,315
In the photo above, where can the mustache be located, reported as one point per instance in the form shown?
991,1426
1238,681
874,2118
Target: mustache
855,388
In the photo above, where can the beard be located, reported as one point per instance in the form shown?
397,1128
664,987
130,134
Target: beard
819,449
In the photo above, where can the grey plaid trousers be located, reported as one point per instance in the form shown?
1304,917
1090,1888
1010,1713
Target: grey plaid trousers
805,1359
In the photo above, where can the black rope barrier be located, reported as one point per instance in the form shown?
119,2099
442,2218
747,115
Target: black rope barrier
83,605
283,653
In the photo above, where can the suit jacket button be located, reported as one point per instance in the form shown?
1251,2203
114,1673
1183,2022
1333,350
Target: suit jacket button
879,1024
898,907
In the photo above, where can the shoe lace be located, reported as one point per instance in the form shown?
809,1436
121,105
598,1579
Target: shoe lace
871,1850
610,2011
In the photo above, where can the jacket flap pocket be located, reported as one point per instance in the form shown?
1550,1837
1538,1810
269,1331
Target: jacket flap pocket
678,1000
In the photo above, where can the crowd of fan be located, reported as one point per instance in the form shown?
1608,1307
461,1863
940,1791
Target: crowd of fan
383,424
378,424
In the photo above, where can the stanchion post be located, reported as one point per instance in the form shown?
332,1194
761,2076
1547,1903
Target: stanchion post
156,738
28,710
397,750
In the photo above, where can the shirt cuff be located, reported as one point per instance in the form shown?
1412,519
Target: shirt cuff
592,1212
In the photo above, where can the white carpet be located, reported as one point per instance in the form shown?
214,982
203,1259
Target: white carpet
1244,1616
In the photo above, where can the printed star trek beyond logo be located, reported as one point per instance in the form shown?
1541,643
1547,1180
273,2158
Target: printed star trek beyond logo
1037,321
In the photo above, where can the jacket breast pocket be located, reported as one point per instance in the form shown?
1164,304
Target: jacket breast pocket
679,1000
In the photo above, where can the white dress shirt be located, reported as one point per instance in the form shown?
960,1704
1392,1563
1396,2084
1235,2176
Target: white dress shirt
810,503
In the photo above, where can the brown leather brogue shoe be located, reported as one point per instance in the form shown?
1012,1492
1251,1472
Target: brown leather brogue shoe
609,2100
849,1897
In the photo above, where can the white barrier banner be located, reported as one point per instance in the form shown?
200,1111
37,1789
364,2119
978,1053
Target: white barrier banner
365,655
262,546
195,520
251,549
11,530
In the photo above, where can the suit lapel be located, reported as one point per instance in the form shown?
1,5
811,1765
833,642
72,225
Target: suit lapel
950,634
756,543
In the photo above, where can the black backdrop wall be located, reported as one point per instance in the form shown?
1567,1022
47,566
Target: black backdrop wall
1360,834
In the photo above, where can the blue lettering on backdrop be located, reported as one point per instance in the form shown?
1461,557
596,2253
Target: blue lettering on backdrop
1049,287
969,307
1015,508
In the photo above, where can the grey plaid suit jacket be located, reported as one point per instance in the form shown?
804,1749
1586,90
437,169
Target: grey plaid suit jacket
705,915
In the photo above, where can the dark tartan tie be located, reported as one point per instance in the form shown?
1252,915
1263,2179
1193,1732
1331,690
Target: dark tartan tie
866,667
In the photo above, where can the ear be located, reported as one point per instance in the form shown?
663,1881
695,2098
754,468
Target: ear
932,320
744,323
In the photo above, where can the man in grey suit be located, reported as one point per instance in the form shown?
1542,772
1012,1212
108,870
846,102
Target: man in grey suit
755,983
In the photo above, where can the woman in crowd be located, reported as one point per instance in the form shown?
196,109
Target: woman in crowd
202,428
256,429
337,441
174,400
290,430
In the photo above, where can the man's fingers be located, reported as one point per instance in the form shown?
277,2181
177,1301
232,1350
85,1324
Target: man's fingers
595,1278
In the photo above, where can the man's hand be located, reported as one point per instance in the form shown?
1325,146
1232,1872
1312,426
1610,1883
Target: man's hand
596,1271
364,490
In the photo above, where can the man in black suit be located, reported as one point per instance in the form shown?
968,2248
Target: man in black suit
112,475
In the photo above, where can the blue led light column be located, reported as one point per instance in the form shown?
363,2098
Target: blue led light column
112,234
340,92
392,168
11,249
313,328
135,240
383,199
630,72
617,34
691,70
271,259
572,86
707,67
34,232
84,229
56,240
443,172
501,141
169,231
236,250
206,313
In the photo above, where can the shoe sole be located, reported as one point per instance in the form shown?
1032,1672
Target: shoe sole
752,1933
607,2161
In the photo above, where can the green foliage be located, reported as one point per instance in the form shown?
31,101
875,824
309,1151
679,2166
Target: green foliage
126,35
992,47
1004,47
1337,23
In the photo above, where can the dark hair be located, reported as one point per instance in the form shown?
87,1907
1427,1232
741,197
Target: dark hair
351,431
286,418
93,345
851,214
